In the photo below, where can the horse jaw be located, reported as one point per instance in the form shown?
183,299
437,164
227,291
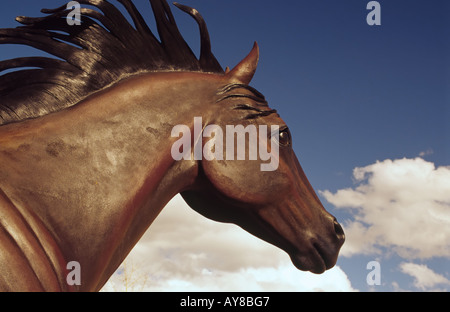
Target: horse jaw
245,70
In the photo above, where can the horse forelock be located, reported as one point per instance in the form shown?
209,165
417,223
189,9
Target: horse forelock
102,50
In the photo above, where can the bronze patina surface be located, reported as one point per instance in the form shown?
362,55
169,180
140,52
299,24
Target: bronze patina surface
85,148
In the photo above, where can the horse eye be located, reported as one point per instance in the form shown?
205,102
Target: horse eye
285,137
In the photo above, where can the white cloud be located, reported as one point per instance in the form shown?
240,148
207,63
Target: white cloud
402,205
284,278
183,251
424,277
426,153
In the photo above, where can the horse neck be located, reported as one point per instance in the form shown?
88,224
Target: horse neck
106,164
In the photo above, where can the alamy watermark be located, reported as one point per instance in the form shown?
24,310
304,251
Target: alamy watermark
373,18
213,149
74,16
374,276
74,276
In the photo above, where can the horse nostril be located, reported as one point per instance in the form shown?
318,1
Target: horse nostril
339,231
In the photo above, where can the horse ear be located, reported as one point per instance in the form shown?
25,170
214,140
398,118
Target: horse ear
245,70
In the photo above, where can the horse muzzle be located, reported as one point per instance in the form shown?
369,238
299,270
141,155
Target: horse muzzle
319,254
312,240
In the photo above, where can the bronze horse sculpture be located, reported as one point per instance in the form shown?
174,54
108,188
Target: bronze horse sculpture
85,148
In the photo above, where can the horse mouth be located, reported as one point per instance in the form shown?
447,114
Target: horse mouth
317,260
315,254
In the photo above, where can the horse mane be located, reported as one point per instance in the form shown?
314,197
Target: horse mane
104,49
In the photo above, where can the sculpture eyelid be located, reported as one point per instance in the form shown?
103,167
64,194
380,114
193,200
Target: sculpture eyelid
280,129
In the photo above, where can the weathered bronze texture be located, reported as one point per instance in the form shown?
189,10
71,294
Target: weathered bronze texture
85,148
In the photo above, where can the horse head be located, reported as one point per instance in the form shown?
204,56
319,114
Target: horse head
277,205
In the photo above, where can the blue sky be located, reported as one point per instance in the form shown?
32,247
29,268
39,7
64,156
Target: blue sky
352,95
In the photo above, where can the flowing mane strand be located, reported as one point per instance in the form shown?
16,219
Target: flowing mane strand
261,108
104,49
